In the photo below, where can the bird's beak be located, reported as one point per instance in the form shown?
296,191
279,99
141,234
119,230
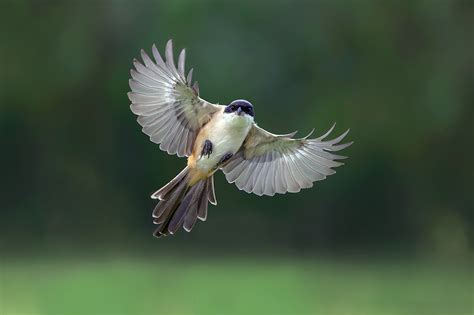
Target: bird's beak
239,111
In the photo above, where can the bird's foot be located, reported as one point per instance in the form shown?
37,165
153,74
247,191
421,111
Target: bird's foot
225,158
206,149
222,161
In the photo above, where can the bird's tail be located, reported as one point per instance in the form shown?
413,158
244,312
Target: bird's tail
182,204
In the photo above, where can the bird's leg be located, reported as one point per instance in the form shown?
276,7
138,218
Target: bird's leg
224,159
206,148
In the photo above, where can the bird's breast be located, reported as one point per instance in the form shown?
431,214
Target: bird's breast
227,132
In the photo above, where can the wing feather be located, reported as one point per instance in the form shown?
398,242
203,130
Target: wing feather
181,61
271,179
170,58
279,170
259,186
256,175
169,110
299,176
189,78
292,184
268,163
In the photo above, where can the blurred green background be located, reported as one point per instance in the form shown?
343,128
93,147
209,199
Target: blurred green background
390,233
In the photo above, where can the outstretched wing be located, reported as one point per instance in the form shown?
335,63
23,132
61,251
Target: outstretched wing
268,163
167,104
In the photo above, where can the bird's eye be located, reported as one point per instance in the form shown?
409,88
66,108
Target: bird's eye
249,110
230,109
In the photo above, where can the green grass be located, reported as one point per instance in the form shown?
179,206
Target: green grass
231,286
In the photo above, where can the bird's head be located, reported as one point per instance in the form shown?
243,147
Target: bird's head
240,108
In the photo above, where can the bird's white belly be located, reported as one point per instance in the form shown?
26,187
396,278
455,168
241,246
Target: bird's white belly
226,136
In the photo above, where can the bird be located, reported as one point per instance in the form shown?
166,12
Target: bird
215,138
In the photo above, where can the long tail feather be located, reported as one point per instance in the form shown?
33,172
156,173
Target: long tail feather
189,202
199,210
164,192
182,204
209,196
211,193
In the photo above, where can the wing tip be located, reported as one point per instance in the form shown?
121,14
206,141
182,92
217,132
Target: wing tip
309,134
189,77
327,133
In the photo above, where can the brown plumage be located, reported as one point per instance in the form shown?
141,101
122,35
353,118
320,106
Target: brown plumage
216,137
181,203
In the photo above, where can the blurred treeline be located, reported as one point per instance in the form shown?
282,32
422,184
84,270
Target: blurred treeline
77,172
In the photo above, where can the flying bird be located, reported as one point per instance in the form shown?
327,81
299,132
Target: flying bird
216,137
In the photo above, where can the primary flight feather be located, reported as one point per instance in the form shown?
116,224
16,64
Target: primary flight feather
215,137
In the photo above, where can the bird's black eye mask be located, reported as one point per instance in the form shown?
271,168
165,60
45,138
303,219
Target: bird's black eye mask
244,105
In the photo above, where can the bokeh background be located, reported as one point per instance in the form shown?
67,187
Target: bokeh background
390,233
